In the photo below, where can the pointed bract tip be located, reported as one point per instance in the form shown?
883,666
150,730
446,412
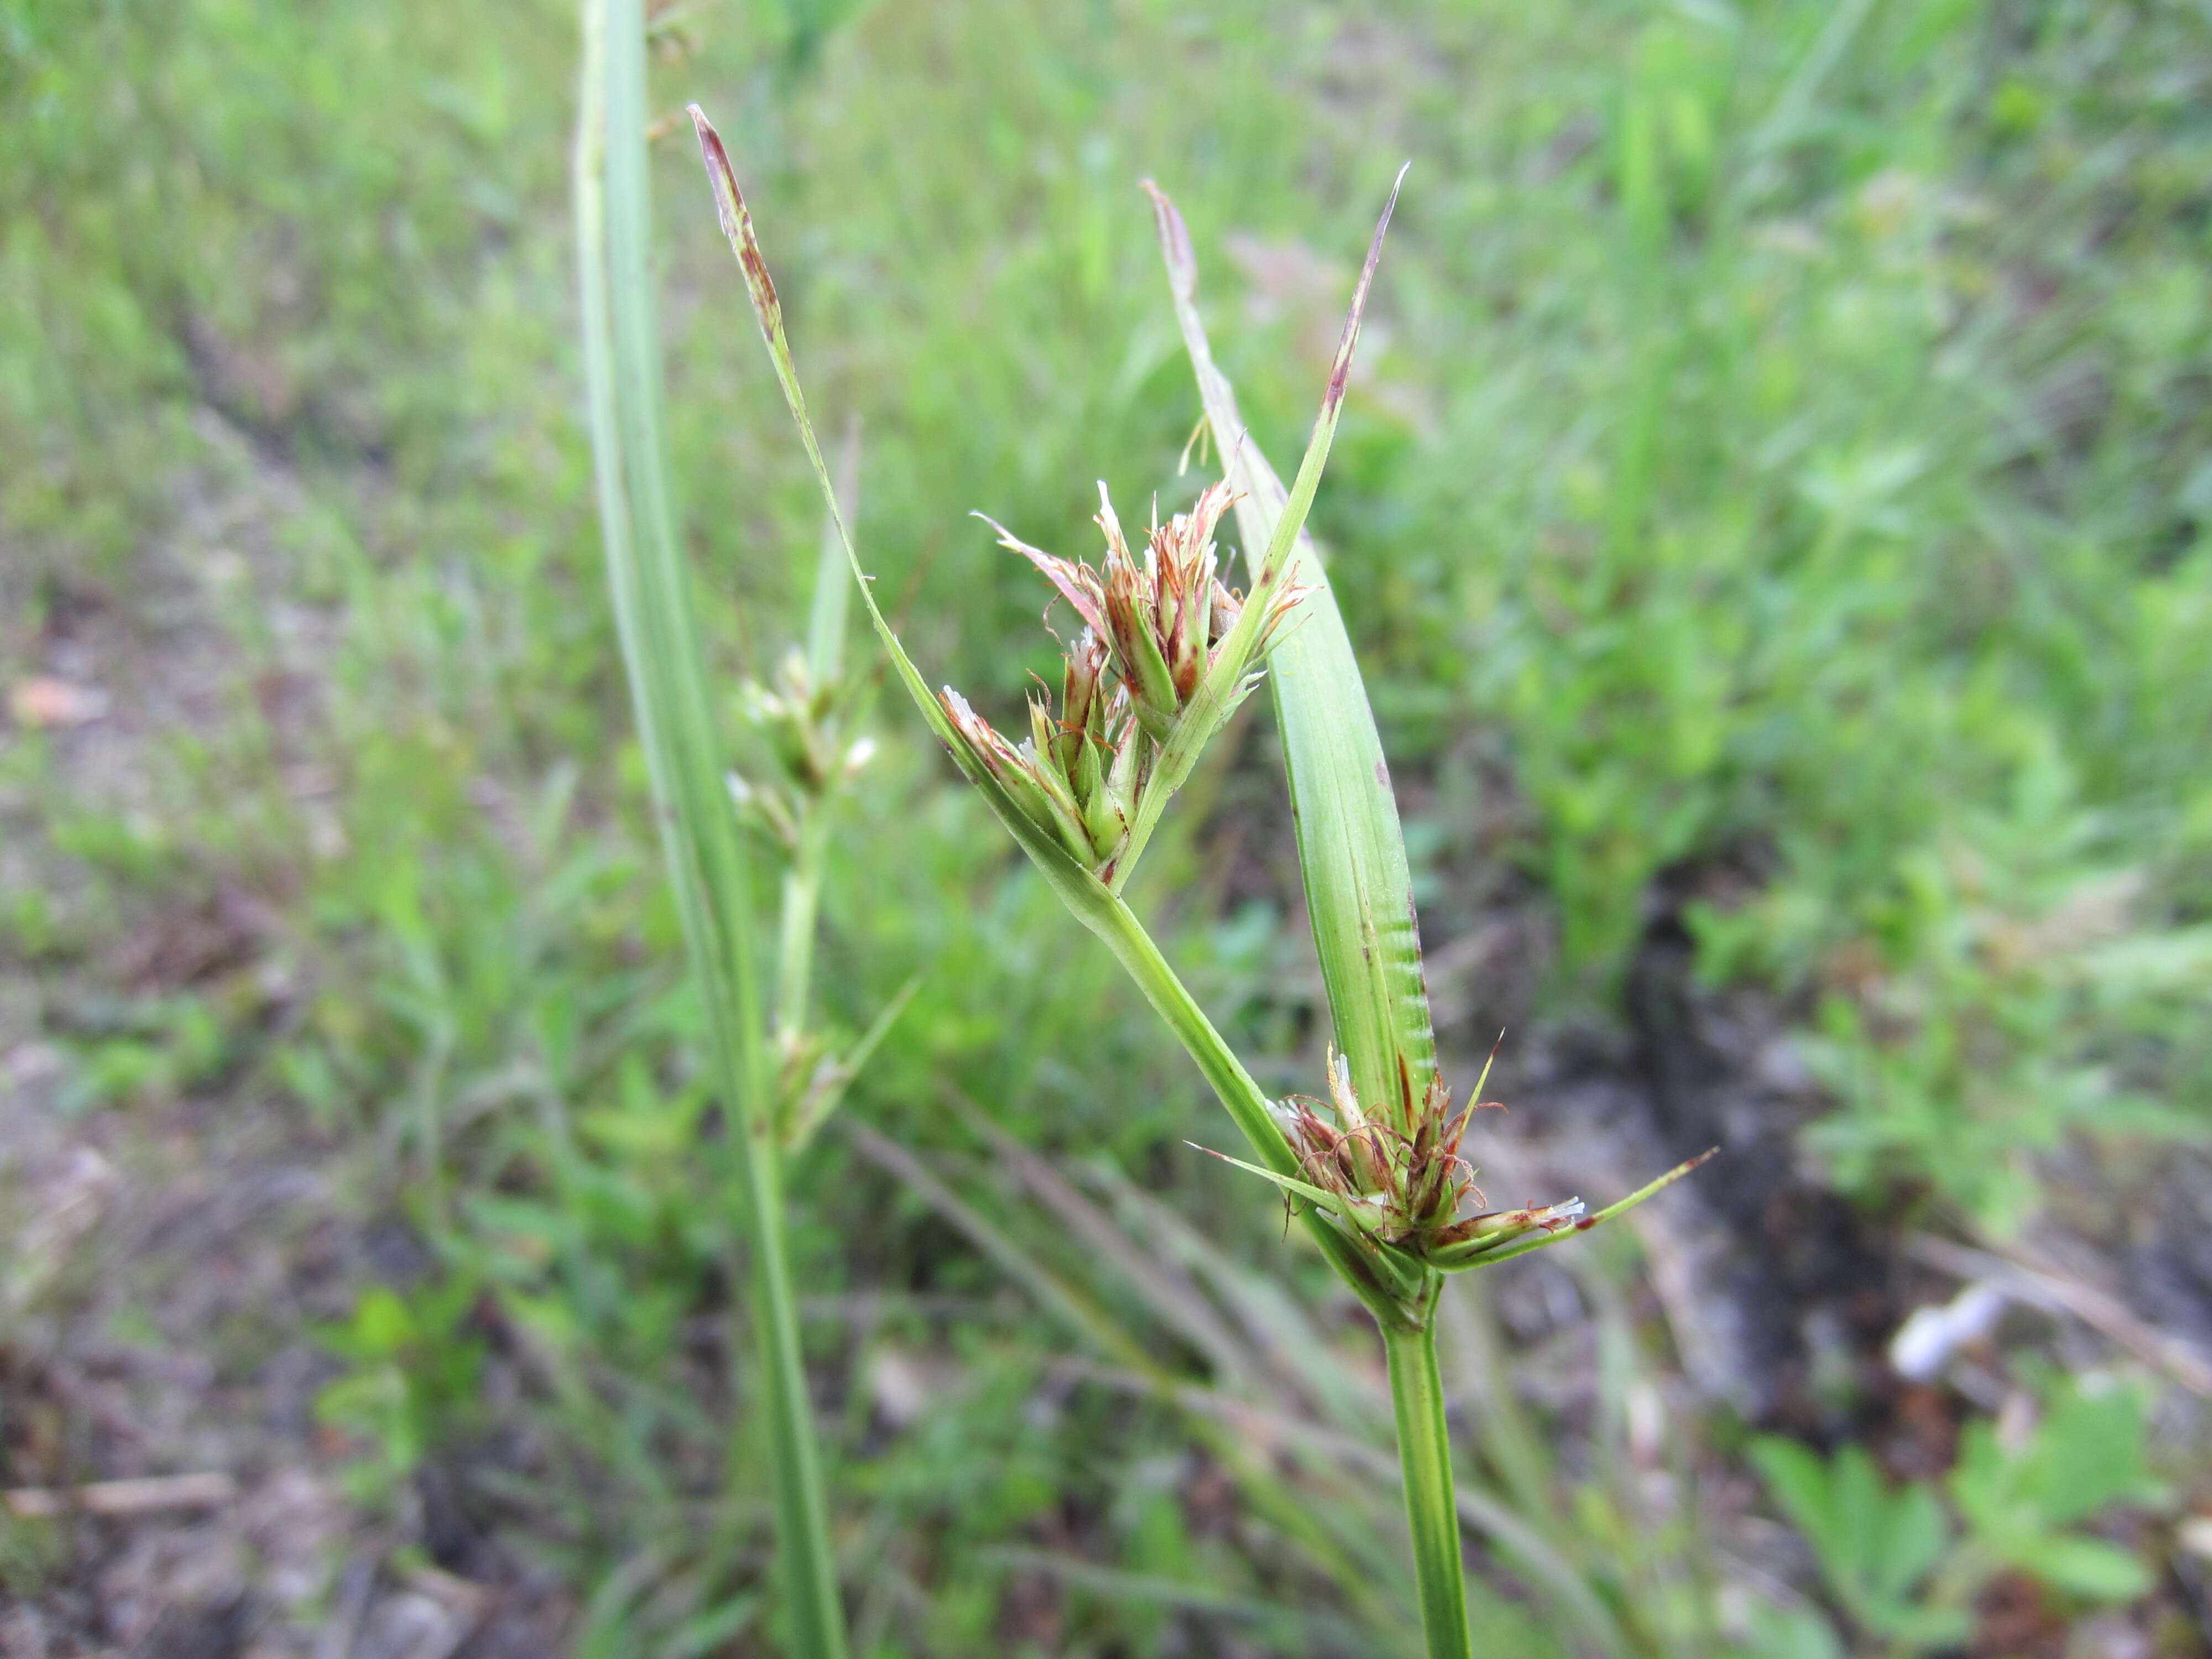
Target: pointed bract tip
716,154
737,222
1340,372
719,170
1175,240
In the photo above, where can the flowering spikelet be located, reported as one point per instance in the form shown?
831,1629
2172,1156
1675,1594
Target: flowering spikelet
1397,1165
803,725
1159,628
1393,1172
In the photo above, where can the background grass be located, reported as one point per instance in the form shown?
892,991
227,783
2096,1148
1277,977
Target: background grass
1771,515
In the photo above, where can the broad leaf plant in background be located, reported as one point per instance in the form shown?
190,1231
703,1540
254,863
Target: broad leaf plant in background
1166,652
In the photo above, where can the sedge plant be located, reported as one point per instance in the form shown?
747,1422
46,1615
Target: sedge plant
776,1071
1166,652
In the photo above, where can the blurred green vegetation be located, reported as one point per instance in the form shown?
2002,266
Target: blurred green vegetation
1778,481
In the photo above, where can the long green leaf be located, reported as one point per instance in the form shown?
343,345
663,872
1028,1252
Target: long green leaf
1360,890
704,854
1217,699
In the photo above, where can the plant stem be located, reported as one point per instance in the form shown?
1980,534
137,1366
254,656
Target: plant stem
1417,1397
802,896
706,858
1364,1271
826,663
809,1563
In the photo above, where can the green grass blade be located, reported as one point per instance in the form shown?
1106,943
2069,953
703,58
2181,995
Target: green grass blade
1064,1301
802,1126
1210,711
1360,890
1339,1549
704,854
1172,1298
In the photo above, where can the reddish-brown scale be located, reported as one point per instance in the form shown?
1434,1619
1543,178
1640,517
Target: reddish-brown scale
1341,371
737,222
1336,379
710,143
757,268
1175,237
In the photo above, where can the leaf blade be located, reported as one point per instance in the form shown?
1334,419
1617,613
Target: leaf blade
704,854
1351,852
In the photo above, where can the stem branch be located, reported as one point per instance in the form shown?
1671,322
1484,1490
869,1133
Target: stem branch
1362,1269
